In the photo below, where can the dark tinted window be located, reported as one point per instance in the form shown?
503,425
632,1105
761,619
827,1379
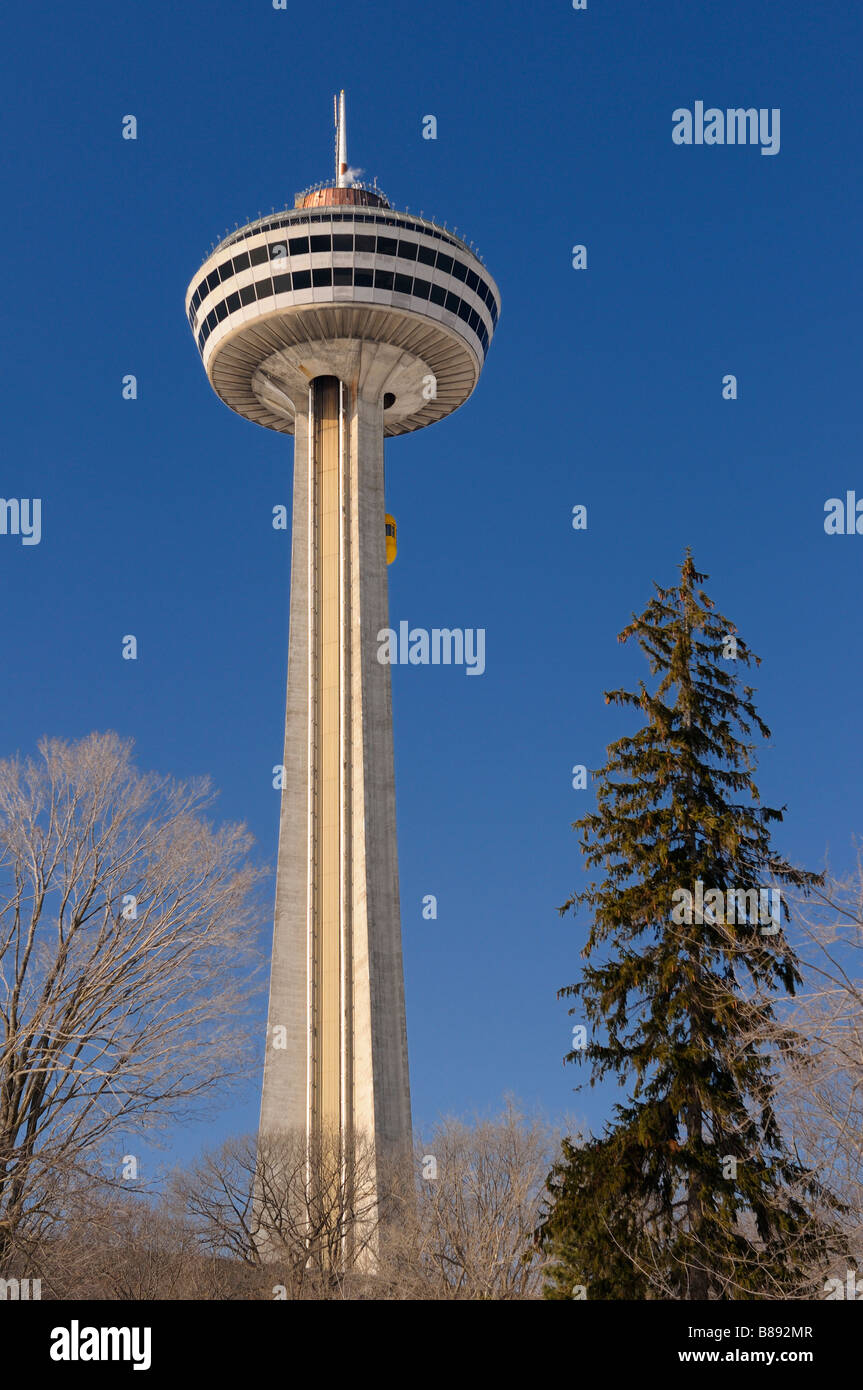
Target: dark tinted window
438,295
302,279
263,288
212,280
281,283
221,312
342,275
403,284
426,254
463,311
444,263
233,302
241,262
343,242
226,270
421,289
299,245
247,294
452,303
211,320
322,243
459,270
474,320
324,276
259,255
363,278
387,246
383,279
365,243
408,250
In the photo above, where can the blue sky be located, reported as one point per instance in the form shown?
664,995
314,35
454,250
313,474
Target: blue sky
602,387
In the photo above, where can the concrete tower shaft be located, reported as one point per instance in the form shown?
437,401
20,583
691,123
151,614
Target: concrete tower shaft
337,982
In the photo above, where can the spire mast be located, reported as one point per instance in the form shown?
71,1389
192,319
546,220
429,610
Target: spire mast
341,142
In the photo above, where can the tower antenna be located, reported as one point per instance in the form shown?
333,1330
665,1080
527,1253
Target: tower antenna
341,142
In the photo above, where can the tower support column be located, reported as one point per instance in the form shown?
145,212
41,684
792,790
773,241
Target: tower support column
336,992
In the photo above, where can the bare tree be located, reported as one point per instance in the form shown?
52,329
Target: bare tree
821,1092
304,1213
127,959
479,1197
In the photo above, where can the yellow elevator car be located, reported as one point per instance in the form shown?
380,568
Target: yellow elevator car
392,547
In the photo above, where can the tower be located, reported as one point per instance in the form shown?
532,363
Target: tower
340,321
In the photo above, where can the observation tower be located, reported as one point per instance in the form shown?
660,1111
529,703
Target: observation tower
340,321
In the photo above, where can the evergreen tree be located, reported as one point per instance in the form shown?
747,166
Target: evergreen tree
691,1192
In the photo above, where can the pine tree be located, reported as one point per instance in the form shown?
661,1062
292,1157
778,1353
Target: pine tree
691,1192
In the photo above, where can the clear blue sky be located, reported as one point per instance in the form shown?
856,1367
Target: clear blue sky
602,387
